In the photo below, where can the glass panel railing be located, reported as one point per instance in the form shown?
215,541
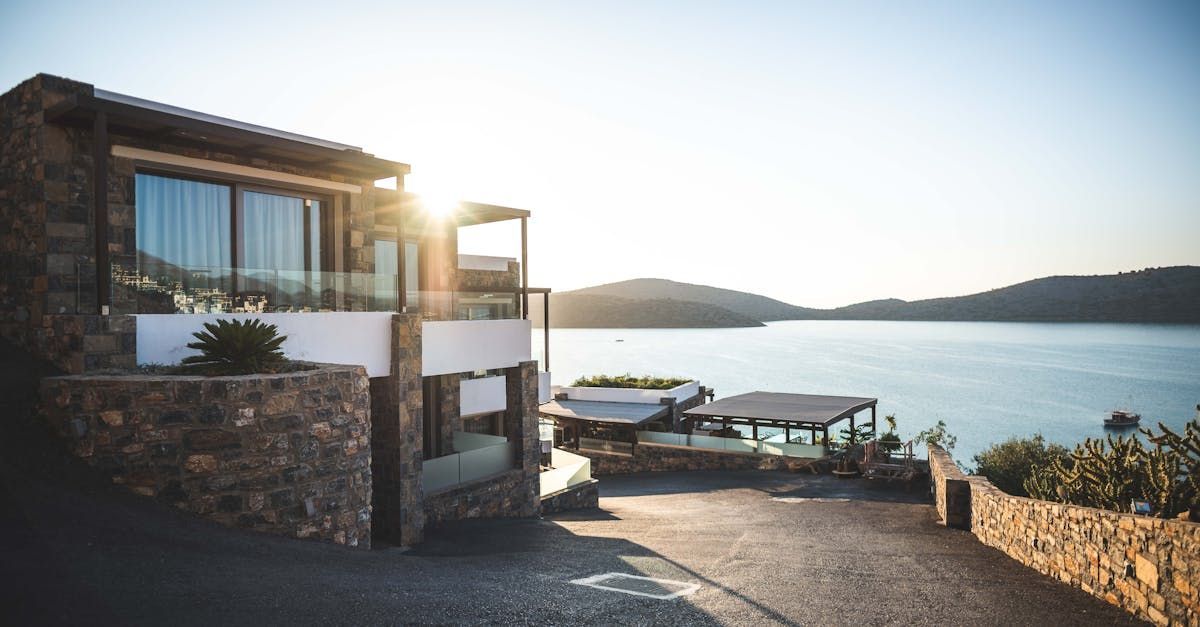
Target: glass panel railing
487,461
439,473
732,444
465,441
167,288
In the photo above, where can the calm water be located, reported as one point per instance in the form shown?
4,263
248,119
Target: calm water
987,380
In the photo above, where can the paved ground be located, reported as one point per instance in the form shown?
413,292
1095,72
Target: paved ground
75,550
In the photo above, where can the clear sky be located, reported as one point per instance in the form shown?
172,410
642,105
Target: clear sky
820,153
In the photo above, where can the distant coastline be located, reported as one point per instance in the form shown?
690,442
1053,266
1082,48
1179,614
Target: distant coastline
1160,295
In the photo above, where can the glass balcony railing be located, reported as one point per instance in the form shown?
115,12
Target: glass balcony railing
166,289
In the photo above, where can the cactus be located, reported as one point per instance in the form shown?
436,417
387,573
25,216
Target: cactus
1110,473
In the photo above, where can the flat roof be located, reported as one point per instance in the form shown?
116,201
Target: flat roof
631,414
811,409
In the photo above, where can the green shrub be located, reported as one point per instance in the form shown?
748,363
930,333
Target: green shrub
937,434
1009,464
644,382
231,347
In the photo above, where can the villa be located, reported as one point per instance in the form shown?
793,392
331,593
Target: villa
126,223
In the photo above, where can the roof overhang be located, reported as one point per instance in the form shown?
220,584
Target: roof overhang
626,414
809,409
135,117
392,204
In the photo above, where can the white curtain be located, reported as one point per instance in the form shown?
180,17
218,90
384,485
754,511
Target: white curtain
273,232
182,225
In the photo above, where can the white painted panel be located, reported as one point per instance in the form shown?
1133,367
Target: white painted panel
545,390
480,396
484,262
341,337
631,395
469,345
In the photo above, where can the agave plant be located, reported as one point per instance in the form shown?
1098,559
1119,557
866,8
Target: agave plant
229,347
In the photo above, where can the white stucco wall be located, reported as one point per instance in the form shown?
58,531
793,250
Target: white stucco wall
630,395
468,345
344,337
479,396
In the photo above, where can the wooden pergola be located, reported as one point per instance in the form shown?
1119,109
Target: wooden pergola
809,412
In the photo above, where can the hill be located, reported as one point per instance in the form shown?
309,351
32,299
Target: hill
750,305
580,311
1151,295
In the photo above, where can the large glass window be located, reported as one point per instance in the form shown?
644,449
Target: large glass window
387,260
279,250
184,243
412,276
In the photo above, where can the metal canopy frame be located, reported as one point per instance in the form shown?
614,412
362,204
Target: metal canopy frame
785,411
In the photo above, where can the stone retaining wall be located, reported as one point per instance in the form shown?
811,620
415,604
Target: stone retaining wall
663,458
583,496
504,496
1148,566
287,454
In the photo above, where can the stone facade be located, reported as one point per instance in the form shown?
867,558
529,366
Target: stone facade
490,279
397,436
288,454
583,496
515,494
1148,566
666,458
48,263
505,496
48,302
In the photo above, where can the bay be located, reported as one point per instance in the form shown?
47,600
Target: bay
987,380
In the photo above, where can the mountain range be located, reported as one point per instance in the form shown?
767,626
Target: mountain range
1151,295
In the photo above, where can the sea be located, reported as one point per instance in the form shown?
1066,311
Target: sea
989,381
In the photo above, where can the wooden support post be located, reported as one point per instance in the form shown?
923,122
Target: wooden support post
787,434
546,331
100,209
754,431
873,428
525,270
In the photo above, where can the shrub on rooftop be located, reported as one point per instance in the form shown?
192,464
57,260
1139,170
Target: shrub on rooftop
644,382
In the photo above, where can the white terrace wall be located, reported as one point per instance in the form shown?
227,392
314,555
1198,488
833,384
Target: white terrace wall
1148,566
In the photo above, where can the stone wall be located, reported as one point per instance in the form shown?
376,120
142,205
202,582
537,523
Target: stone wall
490,279
397,438
505,496
47,245
664,458
1148,566
583,496
287,454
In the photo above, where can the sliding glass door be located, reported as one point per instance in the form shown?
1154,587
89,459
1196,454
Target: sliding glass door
280,248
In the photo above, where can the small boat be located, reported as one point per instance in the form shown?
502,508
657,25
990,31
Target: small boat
620,340
1122,418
